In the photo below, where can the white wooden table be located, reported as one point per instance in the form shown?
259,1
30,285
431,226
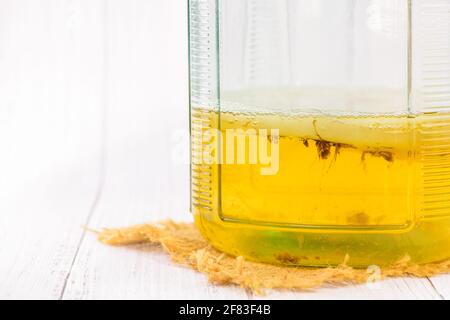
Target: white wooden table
93,110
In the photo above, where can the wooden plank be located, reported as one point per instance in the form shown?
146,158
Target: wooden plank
50,132
147,124
391,289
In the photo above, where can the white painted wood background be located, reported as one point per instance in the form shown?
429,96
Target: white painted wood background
93,104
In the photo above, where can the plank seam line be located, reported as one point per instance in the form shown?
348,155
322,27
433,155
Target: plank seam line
93,207
441,296
103,148
83,235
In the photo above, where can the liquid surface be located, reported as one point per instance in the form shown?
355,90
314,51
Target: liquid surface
382,175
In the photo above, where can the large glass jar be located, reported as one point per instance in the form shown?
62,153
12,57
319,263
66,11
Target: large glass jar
320,129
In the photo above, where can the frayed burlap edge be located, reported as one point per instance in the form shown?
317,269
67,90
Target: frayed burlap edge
186,246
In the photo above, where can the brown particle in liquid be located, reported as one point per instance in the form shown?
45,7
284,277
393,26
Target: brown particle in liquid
305,143
287,258
359,218
323,149
386,155
337,151
273,139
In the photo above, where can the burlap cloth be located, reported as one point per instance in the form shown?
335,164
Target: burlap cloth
186,246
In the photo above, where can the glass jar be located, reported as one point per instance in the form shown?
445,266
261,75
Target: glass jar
320,129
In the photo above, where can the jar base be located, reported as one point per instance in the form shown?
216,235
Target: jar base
427,242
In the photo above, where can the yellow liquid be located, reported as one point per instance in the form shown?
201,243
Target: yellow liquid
372,188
